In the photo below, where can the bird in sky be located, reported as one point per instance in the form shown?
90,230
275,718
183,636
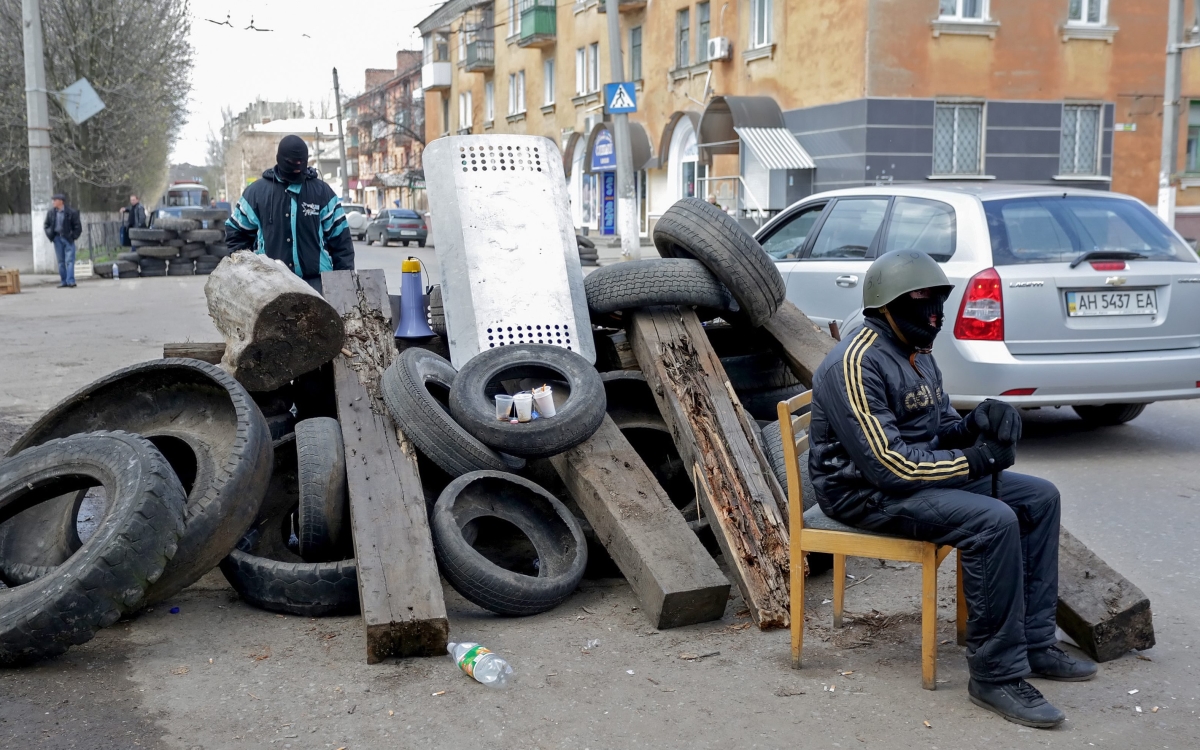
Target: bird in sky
221,23
255,28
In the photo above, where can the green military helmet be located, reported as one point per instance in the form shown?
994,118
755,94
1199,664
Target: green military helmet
900,272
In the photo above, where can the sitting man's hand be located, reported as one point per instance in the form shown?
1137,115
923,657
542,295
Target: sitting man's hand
997,420
990,456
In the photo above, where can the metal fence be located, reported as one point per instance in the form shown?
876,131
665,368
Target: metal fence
102,239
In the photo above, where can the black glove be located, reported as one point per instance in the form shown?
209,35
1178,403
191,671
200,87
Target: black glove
996,419
989,456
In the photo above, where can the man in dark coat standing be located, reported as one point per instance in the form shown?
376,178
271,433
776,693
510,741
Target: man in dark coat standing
132,217
63,227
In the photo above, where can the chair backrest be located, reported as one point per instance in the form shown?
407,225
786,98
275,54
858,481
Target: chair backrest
793,447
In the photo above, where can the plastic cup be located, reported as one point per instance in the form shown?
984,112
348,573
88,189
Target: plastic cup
524,403
504,404
544,399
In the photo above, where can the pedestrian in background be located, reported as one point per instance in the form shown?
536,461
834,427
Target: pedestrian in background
133,216
63,228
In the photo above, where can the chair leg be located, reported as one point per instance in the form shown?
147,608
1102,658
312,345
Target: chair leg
960,618
797,603
839,588
929,620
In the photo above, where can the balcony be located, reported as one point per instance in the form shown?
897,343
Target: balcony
436,75
538,26
481,56
623,6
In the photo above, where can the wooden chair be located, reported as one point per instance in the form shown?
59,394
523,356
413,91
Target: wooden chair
813,531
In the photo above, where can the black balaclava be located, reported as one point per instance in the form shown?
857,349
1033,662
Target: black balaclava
916,321
291,159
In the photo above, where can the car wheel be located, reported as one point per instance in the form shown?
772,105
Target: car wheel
420,243
1109,414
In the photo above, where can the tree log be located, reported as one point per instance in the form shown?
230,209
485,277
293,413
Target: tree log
210,353
689,385
801,343
276,327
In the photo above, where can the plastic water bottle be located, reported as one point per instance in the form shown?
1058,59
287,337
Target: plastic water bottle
116,273
480,663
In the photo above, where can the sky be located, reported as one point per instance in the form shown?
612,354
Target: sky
308,38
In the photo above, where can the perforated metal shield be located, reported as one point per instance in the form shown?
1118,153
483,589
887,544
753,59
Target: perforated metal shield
505,245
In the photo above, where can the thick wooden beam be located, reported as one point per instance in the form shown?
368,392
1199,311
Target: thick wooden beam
802,344
688,383
673,576
398,583
210,353
1098,607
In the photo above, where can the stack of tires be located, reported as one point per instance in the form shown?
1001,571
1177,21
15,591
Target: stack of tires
588,255
191,244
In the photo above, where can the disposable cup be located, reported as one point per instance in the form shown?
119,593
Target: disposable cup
524,403
504,404
544,399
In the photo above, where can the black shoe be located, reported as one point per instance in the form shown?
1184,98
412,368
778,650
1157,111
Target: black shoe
62,286
1017,701
1055,664
70,286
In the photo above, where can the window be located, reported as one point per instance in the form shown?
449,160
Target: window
849,229
701,32
964,10
1087,12
462,43
1080,147
919,224
489,101
760,23
635,53
1193,138
445,114
548,81
516,92
957,135
437,48
580,71
464,111
786,242
593,67
514,18
682,42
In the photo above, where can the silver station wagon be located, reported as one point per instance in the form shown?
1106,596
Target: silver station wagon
1062,297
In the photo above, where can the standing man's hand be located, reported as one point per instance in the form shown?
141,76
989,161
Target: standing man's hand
997,420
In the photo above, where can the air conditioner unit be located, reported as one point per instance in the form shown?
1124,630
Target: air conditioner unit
719,48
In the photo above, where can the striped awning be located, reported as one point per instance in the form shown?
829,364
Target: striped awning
776,148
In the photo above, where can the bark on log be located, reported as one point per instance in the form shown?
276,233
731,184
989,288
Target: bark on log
689,384
802,344
276,327
1098,607
210,353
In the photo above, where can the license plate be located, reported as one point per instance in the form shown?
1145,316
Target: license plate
1124,302
408,233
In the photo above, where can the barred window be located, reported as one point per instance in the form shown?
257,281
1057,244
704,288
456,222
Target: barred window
957,135
1080,150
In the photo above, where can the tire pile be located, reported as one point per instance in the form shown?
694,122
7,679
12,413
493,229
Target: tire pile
191,245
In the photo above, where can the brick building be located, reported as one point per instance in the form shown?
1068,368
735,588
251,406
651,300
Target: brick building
385,134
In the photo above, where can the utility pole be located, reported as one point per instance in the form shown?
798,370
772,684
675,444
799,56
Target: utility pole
41,171
1170,124
627,216
337,98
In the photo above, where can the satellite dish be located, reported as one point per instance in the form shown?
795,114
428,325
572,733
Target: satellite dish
80,101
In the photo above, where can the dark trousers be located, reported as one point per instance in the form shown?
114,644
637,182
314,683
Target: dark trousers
1009,551
64,251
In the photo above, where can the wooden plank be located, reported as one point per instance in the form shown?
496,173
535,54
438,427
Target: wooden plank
673,576
688,383
205,352
398,585
801,343
1099,608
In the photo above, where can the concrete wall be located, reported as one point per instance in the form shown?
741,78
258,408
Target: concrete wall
17,224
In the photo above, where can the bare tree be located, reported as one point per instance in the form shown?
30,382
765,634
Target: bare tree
136,55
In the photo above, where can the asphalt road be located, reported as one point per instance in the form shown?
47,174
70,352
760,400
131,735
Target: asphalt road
223,675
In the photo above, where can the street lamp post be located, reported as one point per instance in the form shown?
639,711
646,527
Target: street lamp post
37,108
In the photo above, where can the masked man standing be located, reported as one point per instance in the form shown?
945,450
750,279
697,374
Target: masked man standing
291,215
889,454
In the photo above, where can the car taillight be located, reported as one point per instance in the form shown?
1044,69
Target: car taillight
1019,392
981,314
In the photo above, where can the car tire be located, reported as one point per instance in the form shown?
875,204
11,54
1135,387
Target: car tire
132,257
427,422
473,406
584,242
204,214
204,235
437,313
655,281
1109,415
110,573
180,267
161,252
772,438
756,372
324,499
420,243
124,267
150,234
554,533
176,225
210,431
694,228
764,404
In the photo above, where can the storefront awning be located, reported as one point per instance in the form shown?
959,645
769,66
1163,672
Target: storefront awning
643,155
724,113
775,148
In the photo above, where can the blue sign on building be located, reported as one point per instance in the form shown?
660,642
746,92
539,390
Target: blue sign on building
608,202
620,98
604,152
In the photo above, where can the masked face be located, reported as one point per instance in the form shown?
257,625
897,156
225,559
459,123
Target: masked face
919,319
291,159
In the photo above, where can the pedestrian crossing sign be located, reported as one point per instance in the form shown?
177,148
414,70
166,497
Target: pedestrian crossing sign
620,98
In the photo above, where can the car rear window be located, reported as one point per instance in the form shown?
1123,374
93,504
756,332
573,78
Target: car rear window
1058,229
400,213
